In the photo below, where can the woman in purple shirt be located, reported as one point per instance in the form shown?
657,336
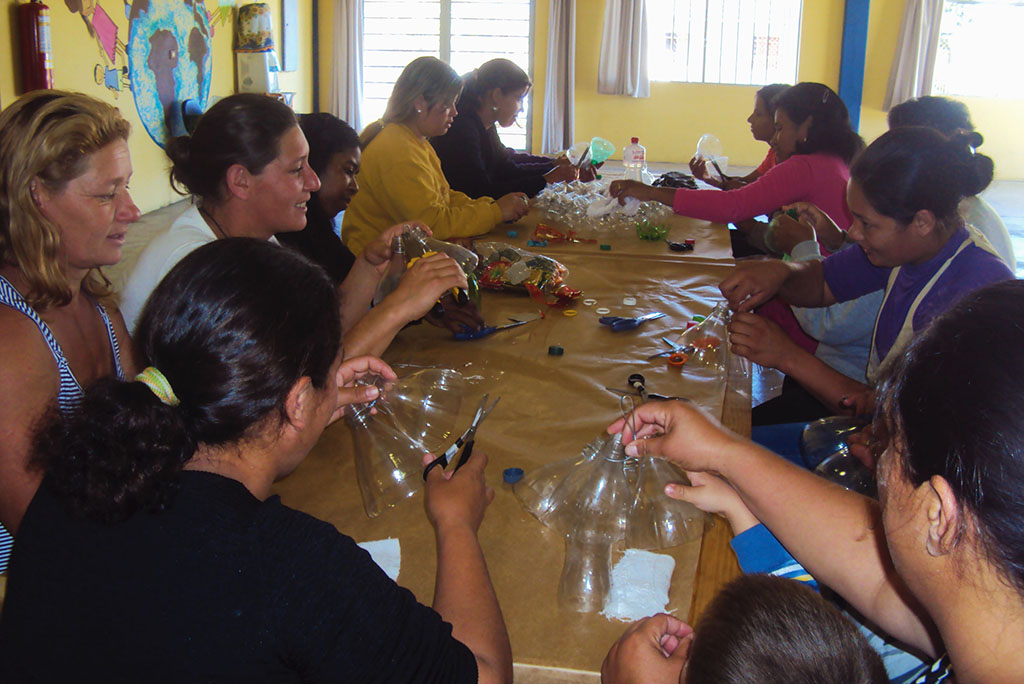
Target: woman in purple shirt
903,194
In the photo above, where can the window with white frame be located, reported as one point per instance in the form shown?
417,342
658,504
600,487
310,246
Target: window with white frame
723,41
463,33
979,48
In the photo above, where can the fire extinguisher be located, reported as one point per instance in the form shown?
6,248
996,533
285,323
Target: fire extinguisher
36,55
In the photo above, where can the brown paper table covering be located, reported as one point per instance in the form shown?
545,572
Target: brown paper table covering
551,406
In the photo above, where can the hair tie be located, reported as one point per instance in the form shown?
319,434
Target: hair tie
158,385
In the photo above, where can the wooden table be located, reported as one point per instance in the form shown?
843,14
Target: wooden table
551,407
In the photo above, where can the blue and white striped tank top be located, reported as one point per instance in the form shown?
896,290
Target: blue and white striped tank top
69,392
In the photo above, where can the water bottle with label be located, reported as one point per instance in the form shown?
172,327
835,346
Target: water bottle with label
634,160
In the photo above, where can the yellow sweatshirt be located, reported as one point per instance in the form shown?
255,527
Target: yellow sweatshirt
400,179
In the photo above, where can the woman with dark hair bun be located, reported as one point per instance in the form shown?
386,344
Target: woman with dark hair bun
952,118
762,127
937,562
912,244
247,165
813,144
473,158
154,537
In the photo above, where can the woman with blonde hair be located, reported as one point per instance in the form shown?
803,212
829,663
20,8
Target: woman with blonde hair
401,177
64,211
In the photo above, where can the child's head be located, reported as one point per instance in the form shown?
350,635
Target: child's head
766,629
762,119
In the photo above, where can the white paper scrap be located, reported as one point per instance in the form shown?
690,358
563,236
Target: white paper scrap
387,554
639,585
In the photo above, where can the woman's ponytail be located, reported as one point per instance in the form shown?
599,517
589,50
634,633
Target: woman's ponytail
979,168
119,453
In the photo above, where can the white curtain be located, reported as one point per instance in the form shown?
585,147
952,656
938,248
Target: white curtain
560,80
914,66
346,90
623,66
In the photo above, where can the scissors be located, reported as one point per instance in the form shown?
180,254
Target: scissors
674,349
467,439
620,323
470,334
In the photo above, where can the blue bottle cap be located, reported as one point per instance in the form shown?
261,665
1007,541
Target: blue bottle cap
512,475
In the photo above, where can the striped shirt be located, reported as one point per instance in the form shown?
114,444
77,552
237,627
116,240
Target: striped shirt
69,391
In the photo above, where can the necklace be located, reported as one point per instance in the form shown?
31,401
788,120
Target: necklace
217,230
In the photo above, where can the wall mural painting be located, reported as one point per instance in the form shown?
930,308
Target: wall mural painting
165,58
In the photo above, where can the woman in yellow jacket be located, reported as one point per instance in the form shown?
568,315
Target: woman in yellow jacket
401,177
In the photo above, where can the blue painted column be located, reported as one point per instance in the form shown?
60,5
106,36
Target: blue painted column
851,66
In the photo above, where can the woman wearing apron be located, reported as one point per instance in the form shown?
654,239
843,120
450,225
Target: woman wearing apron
64,211
903,193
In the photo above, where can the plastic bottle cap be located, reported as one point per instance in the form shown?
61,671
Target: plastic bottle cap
699,318
629,301
606,248
512,475
690,241
569,312
512,233
634,140
555,350
690,324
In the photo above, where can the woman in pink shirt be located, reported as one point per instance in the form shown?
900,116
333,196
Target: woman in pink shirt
813,145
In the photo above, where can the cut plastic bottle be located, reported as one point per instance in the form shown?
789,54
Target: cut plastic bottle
412,416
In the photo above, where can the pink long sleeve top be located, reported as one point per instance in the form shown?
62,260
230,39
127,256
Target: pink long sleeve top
817,178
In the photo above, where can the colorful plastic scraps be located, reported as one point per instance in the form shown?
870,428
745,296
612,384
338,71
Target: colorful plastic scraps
504,267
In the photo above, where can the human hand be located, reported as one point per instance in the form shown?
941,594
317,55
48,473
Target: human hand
713,494
762,341
699,169
457,498
378,252
785,233
678,431
859,404
562,173
457,318
514,206
753,283
423,283
825,229
867,446
351,370
650,651
624,189
588,172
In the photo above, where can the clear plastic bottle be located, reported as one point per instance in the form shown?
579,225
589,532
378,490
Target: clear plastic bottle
634,160
396,268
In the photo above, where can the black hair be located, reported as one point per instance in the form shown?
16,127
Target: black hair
941,113
769,94
912,168
949,117
767,629
830,131
241,129
953,405
327,135
232,327
496,73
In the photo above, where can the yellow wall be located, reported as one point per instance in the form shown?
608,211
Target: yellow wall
674,117
998,120
76,54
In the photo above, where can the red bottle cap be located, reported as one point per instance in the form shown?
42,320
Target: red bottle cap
634,140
